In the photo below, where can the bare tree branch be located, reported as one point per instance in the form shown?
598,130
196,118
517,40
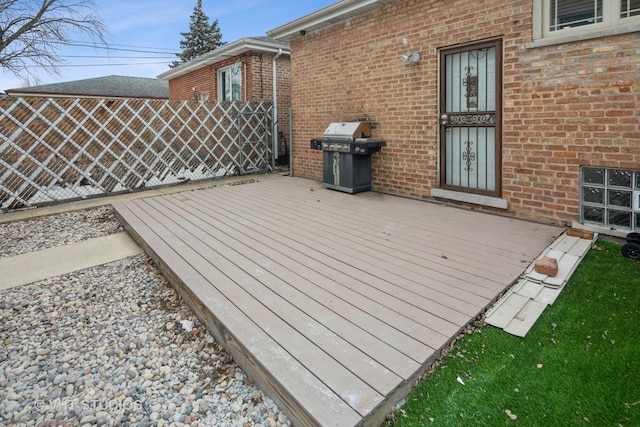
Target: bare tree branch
32,31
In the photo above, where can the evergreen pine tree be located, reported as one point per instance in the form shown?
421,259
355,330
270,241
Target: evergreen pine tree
201,38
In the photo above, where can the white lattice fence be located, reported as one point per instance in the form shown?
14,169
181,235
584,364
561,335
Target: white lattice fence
54,150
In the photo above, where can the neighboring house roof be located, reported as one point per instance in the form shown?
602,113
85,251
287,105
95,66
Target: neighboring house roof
100,87
324,18
253,44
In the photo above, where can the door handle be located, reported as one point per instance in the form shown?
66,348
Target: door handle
444,119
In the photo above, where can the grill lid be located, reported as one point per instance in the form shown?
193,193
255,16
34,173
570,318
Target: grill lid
348,130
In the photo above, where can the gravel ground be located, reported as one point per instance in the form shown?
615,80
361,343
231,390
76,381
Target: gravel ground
48,232
112,345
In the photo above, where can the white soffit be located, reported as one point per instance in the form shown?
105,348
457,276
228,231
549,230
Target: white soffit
323,18
224,52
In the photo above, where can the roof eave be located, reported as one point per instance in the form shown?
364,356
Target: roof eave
324,18
227,51
26,94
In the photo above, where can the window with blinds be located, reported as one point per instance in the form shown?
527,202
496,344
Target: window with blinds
566,14
568,20
629,8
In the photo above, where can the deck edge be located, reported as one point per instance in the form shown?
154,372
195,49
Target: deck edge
285,400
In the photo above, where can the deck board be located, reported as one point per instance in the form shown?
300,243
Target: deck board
255,351
350,228
333,303
288,324
402,217
478,260
343,279
402,266
394,271
302,293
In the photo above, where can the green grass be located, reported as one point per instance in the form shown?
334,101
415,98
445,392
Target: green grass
579,365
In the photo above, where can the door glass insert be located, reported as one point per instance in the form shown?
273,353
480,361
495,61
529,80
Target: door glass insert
470,147
471,80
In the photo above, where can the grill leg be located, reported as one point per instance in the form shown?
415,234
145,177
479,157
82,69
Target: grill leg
336,168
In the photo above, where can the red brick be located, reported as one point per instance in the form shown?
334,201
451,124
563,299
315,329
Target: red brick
558,114
258,82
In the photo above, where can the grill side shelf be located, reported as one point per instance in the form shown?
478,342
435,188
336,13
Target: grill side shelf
359,146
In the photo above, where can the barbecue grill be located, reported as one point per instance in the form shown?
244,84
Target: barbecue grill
346,155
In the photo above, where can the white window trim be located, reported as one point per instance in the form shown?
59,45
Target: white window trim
612,25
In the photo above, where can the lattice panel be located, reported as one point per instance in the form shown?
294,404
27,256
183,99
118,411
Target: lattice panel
54,150
253,137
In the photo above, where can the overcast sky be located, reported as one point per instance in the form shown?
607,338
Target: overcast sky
138,28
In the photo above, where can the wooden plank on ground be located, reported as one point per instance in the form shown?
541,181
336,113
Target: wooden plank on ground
564,243
525,318
506,310
528,289
567,264
548,295
581,248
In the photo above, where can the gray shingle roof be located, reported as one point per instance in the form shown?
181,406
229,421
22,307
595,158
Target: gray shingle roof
109,86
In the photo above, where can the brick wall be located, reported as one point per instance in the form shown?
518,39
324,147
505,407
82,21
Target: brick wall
563,106
182,87
258,69
262,83
205,79
569,105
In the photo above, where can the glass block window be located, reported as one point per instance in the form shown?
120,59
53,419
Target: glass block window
610,197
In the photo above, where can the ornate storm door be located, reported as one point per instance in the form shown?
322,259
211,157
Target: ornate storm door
470,128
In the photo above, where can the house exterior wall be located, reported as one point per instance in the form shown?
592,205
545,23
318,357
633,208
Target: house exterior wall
283,81
203,79
564,106
261,83
257,81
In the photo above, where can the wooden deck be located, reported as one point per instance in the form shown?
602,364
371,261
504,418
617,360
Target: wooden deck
332,303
